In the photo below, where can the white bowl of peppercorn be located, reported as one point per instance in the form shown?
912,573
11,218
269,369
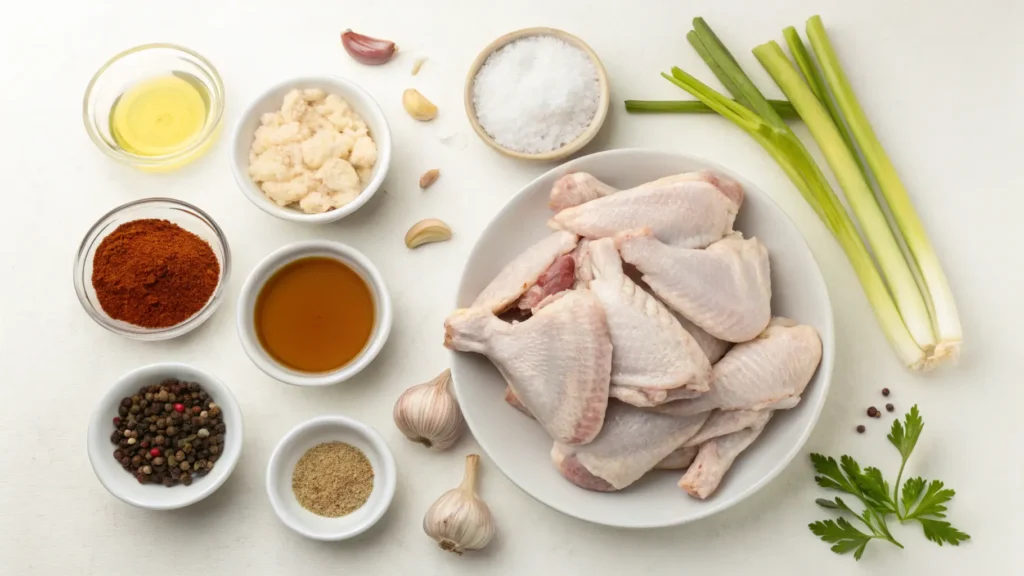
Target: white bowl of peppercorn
165,436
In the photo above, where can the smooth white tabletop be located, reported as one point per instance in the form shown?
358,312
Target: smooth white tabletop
940,80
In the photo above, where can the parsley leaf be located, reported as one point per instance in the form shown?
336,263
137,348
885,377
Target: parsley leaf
843,536
904,438
921,501
940,531
933,503
876,490
912,489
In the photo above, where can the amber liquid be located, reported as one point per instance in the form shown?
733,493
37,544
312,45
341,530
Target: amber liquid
314,315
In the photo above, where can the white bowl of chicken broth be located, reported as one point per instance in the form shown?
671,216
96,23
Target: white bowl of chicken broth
641,339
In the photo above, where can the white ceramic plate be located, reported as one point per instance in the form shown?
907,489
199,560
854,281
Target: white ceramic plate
522,450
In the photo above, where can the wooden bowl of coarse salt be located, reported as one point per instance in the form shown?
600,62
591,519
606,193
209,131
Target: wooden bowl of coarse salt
537,94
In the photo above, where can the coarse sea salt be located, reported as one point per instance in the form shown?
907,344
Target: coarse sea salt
536,94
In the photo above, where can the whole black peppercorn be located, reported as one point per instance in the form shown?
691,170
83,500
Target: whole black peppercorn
885,391
148,423
860,429
890,407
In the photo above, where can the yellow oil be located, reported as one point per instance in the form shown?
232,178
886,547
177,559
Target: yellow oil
160,116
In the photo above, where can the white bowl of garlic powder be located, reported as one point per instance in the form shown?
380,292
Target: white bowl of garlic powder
311,149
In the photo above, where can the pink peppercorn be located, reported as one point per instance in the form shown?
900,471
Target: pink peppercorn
117,421
154,452
179,407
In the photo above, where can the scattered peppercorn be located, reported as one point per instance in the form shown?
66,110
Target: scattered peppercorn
890,407
146,425
872,412
885,391
861,429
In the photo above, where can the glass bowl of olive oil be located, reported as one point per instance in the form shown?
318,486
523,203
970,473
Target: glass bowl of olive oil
155,107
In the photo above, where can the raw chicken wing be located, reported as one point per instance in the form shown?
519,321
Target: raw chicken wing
714,459
632,442
577,188
653,359
689,214
580,187
769,372
725,289
523,272
558,362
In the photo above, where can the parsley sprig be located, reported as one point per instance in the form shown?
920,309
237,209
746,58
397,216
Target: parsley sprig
916,500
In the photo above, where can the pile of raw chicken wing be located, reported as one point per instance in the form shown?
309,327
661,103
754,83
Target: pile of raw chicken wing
639,334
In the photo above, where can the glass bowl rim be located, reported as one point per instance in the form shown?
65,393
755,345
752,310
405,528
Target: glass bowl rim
216,103
189,324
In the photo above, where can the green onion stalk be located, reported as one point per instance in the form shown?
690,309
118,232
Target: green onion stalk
752,112
943,308
861,198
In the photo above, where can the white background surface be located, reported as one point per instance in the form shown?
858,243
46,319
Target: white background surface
940,80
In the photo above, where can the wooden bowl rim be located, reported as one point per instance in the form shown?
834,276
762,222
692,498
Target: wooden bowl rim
571,147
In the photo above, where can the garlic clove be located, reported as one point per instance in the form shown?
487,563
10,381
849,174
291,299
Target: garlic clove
428,413
459,520
418,106
418,64
367,50
428,178
426,231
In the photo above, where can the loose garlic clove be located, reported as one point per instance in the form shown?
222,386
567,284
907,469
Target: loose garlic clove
366,49
460,520
418,64
428,178
426,231
428,413
418,106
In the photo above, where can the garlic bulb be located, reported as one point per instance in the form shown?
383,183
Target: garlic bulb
460,520
428,413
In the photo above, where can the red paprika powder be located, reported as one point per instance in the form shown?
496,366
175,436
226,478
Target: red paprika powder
154,273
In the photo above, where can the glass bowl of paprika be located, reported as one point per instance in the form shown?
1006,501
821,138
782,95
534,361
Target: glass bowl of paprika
152,269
